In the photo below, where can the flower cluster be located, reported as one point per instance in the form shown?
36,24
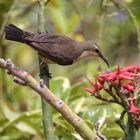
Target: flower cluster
123,86
121,79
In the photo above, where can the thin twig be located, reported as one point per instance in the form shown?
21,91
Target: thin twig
113,95
104,99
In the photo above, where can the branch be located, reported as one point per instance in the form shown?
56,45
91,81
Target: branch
123,102
77,122
114,96
98,96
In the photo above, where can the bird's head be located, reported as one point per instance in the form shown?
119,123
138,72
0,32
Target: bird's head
94,50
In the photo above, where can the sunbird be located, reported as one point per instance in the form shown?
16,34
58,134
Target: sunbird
54,48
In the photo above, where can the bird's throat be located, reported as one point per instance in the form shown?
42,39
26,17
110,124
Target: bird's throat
86,54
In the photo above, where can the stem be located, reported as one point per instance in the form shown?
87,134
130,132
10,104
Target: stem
44,70
116,99
130,131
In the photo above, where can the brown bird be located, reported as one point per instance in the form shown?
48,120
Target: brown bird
54,48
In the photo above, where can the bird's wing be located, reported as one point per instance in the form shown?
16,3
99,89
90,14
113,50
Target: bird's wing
55,52
57,48
48,38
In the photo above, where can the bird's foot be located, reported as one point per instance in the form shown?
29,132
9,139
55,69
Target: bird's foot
45,71
43,64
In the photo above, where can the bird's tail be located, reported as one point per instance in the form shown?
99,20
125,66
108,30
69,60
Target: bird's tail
14,33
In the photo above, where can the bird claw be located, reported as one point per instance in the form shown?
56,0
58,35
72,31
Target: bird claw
46,73
43,64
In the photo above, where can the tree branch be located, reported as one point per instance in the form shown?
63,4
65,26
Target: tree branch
77,122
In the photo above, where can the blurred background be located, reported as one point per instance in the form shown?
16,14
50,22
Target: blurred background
112,24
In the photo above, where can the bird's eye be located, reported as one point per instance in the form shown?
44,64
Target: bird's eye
97,51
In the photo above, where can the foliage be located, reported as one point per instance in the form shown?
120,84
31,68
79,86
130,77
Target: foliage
110,26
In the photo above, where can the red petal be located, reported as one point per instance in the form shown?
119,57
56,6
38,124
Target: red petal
95,84
100,80
104,76
112,77
133,108
128,87
129,74
90,90
91,82
124,77
116,82
131,68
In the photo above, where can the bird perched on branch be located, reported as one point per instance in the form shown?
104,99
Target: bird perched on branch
54,48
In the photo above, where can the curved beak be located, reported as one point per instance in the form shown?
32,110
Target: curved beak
103,58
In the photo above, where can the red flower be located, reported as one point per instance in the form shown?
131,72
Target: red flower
129,74
96,87
107,76
128,87
90,90
95,84
116,82
133,108
121,79
100,79
112,77
124,77
131,68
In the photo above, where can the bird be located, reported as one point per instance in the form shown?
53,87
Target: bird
54,48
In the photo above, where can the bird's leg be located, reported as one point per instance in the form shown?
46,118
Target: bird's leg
44,64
